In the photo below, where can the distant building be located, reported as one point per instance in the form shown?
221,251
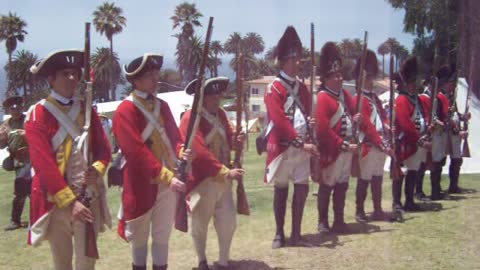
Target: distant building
257,88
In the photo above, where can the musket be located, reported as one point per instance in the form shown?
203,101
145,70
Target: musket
242,202
449,124
313,160
433,117
91,249
181,219
359,85
312,61
395,169
466,147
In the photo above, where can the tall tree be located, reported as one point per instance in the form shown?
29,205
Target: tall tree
383,50
351,50
12,30
249,45
187,17
107,72
189,56
469,42
253,43
109,21
216,49
21,77
435,19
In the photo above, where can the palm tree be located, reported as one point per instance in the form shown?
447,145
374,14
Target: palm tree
189,56
12,31
216,49
109,21
393,45
383,49
254,43
107,72
234,43
21,77
249,45
186,16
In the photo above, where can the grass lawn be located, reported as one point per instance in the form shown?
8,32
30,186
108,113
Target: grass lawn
447,237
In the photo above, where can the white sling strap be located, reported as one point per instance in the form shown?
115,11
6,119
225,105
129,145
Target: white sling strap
153,124
217,127
340,110
67,123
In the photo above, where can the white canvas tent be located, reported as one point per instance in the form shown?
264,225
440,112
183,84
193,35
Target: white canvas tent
178,101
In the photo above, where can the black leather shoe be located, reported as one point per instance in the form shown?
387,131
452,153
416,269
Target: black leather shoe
278,242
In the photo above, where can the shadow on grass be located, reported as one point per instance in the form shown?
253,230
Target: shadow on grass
429,206
251,265
328,240
451,197
245,265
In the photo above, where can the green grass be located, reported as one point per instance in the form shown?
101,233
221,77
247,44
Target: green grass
448,238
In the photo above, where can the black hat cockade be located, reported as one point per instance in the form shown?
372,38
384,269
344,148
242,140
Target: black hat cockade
13,102
213,86
330,60
371,65
289,45
140,65
447,73
59,60
408,71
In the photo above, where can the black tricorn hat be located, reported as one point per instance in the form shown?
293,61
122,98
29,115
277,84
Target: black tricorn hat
213,86
13,102
330,59
447,73
58,60
371,65
289,45
408,71
142,64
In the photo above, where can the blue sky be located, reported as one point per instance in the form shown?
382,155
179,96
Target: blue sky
57,24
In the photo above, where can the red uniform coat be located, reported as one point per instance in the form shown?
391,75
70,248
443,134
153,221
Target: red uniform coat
205,164
372,136
283,131
443,105
48,181
139,191
405,126
329,139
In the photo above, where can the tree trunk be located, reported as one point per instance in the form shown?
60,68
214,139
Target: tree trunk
468,28
383,66
9,91
475,44
113,94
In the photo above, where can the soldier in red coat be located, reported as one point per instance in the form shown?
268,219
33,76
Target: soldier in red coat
335,116
411,124
54,133
150,142
439,142
375,126
447,77
210,188
288,105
